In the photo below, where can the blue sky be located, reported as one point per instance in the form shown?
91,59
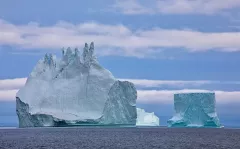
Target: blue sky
163,47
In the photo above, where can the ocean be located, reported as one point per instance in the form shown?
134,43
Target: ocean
120,138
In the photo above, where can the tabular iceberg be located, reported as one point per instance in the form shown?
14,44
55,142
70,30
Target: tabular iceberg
194,110
75,90
146,119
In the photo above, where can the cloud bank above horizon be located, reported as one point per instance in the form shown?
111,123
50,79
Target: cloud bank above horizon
114,39
9,88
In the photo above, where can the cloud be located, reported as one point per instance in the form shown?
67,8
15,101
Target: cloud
196,6
158,83
154,96
131,7
166,96
114,39
8,95
9,84
145,83
9,88
206,7
16,83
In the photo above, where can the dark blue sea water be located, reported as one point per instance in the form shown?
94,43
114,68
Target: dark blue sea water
120,138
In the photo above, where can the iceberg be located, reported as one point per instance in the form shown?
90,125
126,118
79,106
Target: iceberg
146,119
75,90
194,110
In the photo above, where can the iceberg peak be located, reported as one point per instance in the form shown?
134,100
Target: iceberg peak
76,52
91,49
88,54
49,60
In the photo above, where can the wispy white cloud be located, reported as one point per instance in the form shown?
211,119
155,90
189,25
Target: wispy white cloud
207,7
154,96
114,39
196,6
166,96
9,88
158,83
8,95
175,83
131,7
9,84
16,83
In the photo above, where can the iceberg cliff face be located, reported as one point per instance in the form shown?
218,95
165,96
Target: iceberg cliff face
146,119
75,90
194,110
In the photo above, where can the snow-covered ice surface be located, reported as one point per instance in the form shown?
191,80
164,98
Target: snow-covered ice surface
146,119
194,110
75,90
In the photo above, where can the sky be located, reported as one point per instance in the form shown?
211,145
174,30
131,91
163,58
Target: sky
162,46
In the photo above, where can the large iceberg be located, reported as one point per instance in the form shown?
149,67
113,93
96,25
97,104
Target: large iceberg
194,110
146,119
75,90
